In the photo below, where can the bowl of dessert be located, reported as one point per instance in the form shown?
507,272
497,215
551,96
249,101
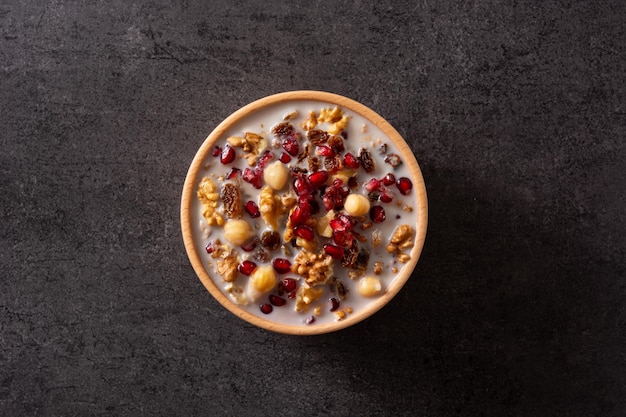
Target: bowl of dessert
304,212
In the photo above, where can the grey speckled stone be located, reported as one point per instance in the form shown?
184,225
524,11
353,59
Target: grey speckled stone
516,113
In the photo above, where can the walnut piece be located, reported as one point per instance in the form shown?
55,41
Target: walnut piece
316,269
208,198
268,207
310,122
338,121
378,268
307,295
226,261
252,143
236,293
401,239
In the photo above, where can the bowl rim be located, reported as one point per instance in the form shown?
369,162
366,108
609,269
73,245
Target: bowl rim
201,155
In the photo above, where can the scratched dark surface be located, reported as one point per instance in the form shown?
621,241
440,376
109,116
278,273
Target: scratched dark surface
516,112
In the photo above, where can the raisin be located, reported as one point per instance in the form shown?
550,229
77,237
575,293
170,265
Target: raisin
360,263
382,149
314,163
365,157
270,240
231,197
333,164
283,129
336,143
317,137
261,256
350,254
393,160
305,153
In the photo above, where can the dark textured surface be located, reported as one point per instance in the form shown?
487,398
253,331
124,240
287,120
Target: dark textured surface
516,112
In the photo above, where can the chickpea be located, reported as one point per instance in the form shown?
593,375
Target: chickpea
276,175
238,232
369,286
357,205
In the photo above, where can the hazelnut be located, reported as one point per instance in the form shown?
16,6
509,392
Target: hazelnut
276,175
237,232
262,280
356,205
369,286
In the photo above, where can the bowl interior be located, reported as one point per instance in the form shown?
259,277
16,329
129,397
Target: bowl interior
259,110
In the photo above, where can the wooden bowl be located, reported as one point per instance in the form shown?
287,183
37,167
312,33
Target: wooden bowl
189,229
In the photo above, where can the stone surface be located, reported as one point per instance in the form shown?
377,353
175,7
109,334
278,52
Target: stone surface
516,112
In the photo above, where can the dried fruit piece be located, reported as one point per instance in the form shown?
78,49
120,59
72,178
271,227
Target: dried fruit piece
366,160
317,137
283,129
333,164
336,144
270,240
393,160
334,304
231,197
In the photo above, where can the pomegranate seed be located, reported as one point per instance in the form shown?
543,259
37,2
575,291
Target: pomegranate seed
377,214
249,246
285,158
343,191
304,231
228,155
334,304
266,308
281,265
342,237
336,252
289,284
253,176
301,186
346,221
337,183
309,320
277,301
404,185
386,196
372,185
292,294
317,179
233,173
246,267
252,209
210,248
216,151
324,150
350,161
300,214
291,145
264,159
389,179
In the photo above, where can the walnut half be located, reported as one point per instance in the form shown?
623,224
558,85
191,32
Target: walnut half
316,269
401,239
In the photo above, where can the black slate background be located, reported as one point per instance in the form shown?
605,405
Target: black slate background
515,110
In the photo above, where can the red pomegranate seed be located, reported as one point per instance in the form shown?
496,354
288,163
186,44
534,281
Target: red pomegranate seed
336,252
389,179
324,150
216,151
246,267
291,145
266,308
281,265
404,185
228,155
289,284
304,231
300,214
253,176
309,320
337,183
350,161
292,294
249,246
301,186
386,196
317,179
372,185
210,248
264,159
334,304
252,209
233,173
277,301
285,158
377,214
